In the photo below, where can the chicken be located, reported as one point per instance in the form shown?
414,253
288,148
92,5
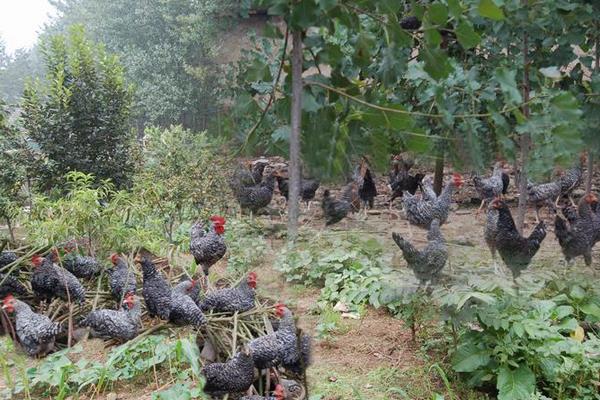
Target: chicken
234,376
489,188
308,188
294,353
122,325
421,212
367,190
572,178
208,247
84,267
239,298
543,194
428,263
336,209
515,250
576,238
248,174
278,394
121,278
10,285
403,182
490,232
36,332
258,196
155,289
266,349
49,281
184,311
7,257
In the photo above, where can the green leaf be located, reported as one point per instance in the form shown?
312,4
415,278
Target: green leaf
577,293
469,358
506,78
280,7
282,133
304,14
191,353
389,6
455,8
466,35
309,103
433,37
272,31
438,13
591,309
515,384
436,63
327,5
489,9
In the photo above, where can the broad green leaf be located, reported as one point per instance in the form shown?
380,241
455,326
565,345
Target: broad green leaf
455,8
436,63
388,6
489,9
466,35
304,14
469,358
506,78
192,354
309,103
433,37
282,133
515,384
438,13
591,309
577,293
327,5
280,7
272,31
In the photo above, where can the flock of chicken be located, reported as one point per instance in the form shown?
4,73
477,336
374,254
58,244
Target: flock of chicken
61,275
577,228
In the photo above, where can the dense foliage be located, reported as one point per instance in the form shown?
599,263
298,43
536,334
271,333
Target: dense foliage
79,115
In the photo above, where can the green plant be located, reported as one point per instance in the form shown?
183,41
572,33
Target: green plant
246,246
527,340
80,115
58,376
349,270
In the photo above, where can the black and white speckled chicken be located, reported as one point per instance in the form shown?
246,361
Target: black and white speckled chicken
208,246
10,285
490,231
335,209
184,311
576,235
121,324
49,281
489,188
515,250
572,178
155,289
239,298
278,394
7,257
234,376
426,264
36,332
248,174
121,278
256,197
295,352
404,182
266,349
544,194
421,212
84,267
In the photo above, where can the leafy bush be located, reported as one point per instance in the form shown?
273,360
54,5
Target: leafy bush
80,115
349,270
528,340
58,376
181,177
246,247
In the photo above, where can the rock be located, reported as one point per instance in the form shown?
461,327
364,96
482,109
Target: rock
341,307
111,396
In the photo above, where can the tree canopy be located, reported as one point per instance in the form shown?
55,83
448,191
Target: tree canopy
79,114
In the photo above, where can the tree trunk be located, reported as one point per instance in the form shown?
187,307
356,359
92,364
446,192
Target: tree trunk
10,229
590,161
296,122
525,138
438,176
